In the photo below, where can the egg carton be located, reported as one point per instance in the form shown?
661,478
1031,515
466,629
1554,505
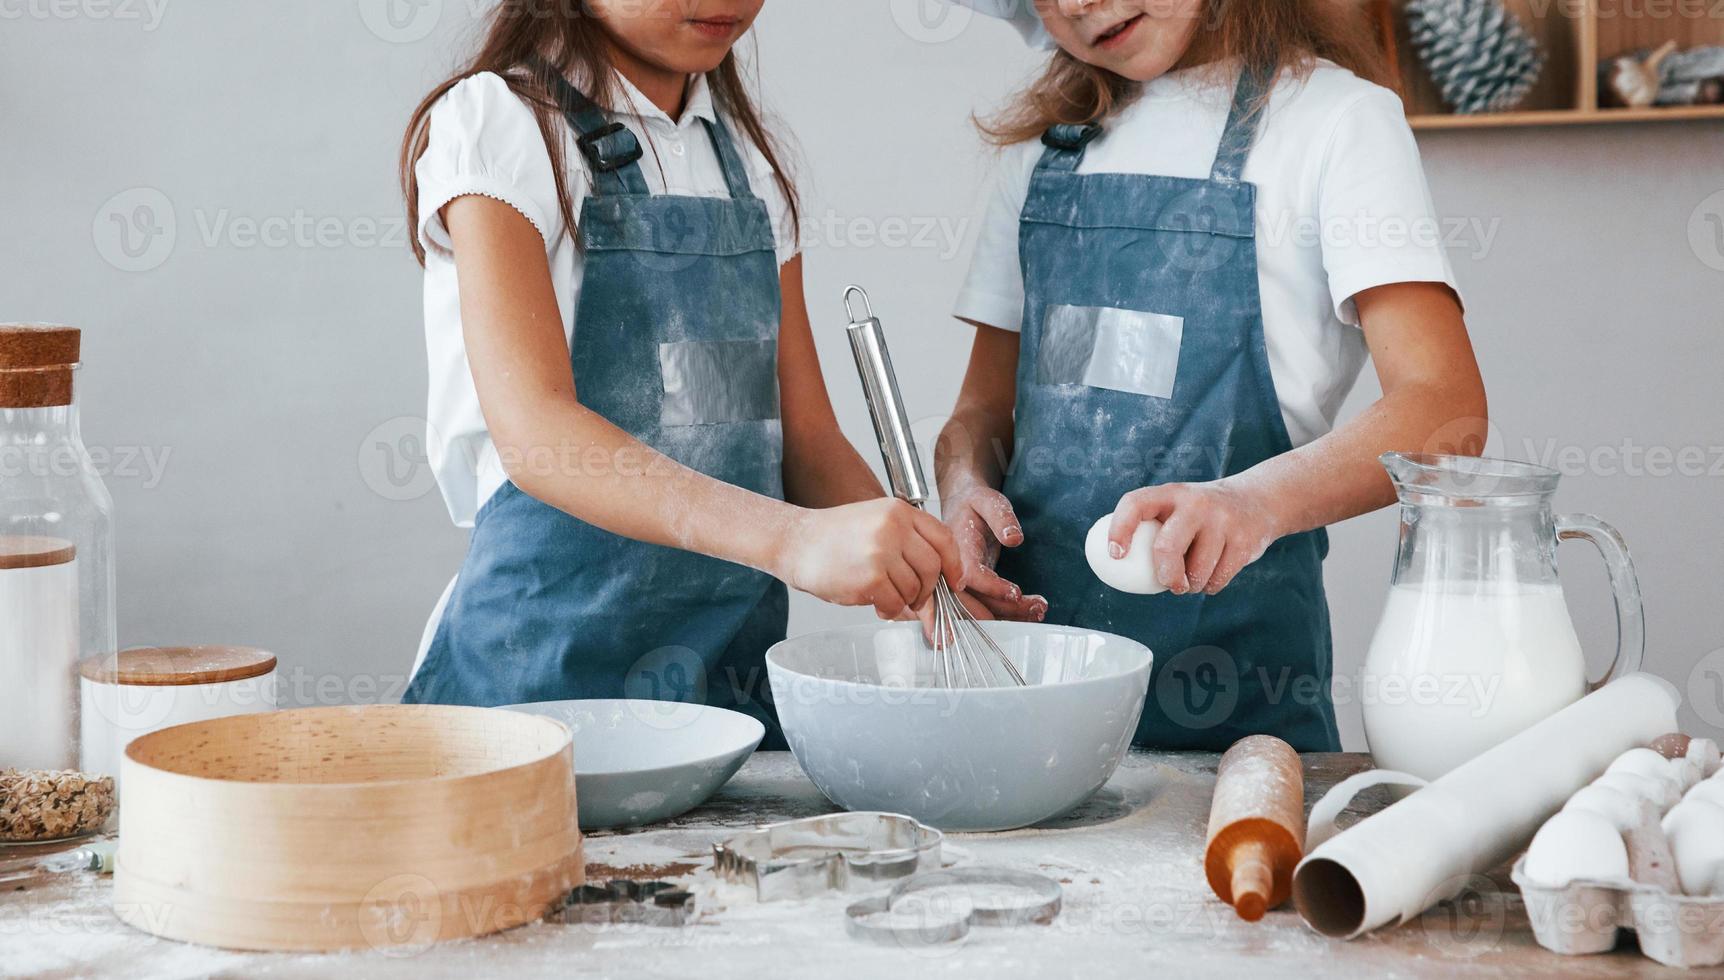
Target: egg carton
1585,917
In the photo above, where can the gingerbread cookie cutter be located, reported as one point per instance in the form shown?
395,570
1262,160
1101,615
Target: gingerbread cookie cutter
942,906
836,852
623,902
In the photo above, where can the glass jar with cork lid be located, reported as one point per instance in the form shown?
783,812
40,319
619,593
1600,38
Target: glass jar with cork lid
56,588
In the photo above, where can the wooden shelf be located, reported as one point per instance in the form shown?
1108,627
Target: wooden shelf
1564,117
1576,38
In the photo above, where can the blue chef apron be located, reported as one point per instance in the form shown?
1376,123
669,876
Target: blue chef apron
676,342
1142,362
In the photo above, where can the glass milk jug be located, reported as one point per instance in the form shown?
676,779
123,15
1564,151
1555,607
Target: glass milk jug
1475,643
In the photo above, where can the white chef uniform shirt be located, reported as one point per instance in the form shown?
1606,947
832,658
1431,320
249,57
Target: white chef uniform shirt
485,140
1342,206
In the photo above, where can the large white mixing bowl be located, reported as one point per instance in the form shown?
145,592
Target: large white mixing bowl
866,725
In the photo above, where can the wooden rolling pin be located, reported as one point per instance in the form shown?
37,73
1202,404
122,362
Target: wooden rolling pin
1256,825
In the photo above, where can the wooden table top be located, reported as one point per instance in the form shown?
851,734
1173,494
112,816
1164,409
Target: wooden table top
1130,861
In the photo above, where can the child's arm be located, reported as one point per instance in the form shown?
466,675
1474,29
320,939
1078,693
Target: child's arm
821,467
968,465
882,553
1433,400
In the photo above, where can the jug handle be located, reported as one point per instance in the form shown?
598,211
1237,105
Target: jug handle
1630,615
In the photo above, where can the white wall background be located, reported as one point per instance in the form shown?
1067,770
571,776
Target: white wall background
259,396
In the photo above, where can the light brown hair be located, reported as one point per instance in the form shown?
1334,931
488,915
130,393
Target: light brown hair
1265,36
569,40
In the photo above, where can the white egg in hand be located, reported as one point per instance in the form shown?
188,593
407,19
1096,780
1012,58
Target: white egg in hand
1576,845
1135,572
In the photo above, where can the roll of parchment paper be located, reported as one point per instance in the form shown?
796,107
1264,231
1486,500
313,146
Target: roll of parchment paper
1393,865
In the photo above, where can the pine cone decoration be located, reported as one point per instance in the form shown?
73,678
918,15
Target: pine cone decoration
1480,55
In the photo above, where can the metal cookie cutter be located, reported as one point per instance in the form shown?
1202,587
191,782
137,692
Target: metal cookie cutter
623,902
803,858
941,906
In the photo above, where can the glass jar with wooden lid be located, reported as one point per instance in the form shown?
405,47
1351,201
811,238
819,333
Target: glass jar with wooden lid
56,550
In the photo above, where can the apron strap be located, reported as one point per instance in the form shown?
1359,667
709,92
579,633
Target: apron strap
1066,144
1241,132
729,160
612,152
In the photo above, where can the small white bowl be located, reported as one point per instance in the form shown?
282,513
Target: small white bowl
873,735
640,762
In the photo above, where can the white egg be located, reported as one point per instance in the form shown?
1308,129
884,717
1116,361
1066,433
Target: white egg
1705,752
1641,762
1625,811
1661,791
1710,790
1686,772
1576,846
1648,763
1696,832
1135,572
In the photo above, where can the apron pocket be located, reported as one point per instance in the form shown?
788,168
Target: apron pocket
1102,347
708,382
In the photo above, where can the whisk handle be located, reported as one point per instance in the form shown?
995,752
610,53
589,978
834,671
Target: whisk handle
885,403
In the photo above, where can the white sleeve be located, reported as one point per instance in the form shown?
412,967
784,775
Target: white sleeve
993,292
484,140
1379,225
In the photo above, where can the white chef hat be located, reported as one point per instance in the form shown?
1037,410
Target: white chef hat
1021,13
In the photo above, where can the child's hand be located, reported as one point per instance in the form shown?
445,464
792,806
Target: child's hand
925,615
881,553
982,522
1209,532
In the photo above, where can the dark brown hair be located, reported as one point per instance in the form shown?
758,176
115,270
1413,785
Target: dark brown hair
1266,36
568,40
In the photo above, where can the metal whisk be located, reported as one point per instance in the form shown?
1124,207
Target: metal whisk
964,654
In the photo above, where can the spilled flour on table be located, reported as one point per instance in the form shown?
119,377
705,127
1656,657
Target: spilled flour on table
1135,904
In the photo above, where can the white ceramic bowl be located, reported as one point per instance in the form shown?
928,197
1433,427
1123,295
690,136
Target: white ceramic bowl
866,726
639,762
